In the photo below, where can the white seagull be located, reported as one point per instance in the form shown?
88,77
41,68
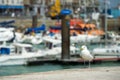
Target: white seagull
85,54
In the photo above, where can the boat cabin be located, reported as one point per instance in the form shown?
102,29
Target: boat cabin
5,48
52,43
23,48
17,48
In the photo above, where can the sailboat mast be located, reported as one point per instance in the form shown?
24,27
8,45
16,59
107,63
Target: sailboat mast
43,11
106,22
85,10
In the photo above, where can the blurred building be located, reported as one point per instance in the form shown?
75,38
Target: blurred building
7,7
28,7
112,3
70,4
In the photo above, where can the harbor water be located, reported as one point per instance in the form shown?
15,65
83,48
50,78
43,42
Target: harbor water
17,70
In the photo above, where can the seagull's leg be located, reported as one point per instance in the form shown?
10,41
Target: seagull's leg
89,64
84,63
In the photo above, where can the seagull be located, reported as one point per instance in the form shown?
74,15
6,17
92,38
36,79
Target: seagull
85,54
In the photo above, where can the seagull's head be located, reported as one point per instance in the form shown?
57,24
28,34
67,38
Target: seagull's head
83,47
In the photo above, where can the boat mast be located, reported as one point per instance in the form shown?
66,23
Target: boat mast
43,12
85,11
106,22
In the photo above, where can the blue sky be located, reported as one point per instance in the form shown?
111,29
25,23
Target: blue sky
113,3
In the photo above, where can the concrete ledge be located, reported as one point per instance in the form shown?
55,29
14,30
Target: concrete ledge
101,73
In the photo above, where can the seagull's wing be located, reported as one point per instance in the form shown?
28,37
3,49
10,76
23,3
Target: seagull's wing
85,54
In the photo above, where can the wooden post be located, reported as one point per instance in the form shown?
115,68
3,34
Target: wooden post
103,22
34,17
34,21
65,37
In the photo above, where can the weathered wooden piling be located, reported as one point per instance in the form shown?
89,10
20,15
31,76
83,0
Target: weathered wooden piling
34,21
65,37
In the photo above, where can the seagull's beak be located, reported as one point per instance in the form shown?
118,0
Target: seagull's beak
81,48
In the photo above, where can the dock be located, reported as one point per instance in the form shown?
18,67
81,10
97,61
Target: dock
74,60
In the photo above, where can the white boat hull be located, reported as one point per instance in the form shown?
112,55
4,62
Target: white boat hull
107,50
13,62
85,38
107,53
8,60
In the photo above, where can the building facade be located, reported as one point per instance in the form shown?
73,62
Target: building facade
7,7
70,4
28,7
11,2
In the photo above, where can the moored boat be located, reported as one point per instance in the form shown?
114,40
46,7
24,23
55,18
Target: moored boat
19,56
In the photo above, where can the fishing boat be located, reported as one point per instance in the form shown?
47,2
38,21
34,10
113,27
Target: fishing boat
18,54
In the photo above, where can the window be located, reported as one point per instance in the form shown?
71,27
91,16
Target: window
12,1
107,51
7,1
113,51
18,1
3,1
117,51
29,49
